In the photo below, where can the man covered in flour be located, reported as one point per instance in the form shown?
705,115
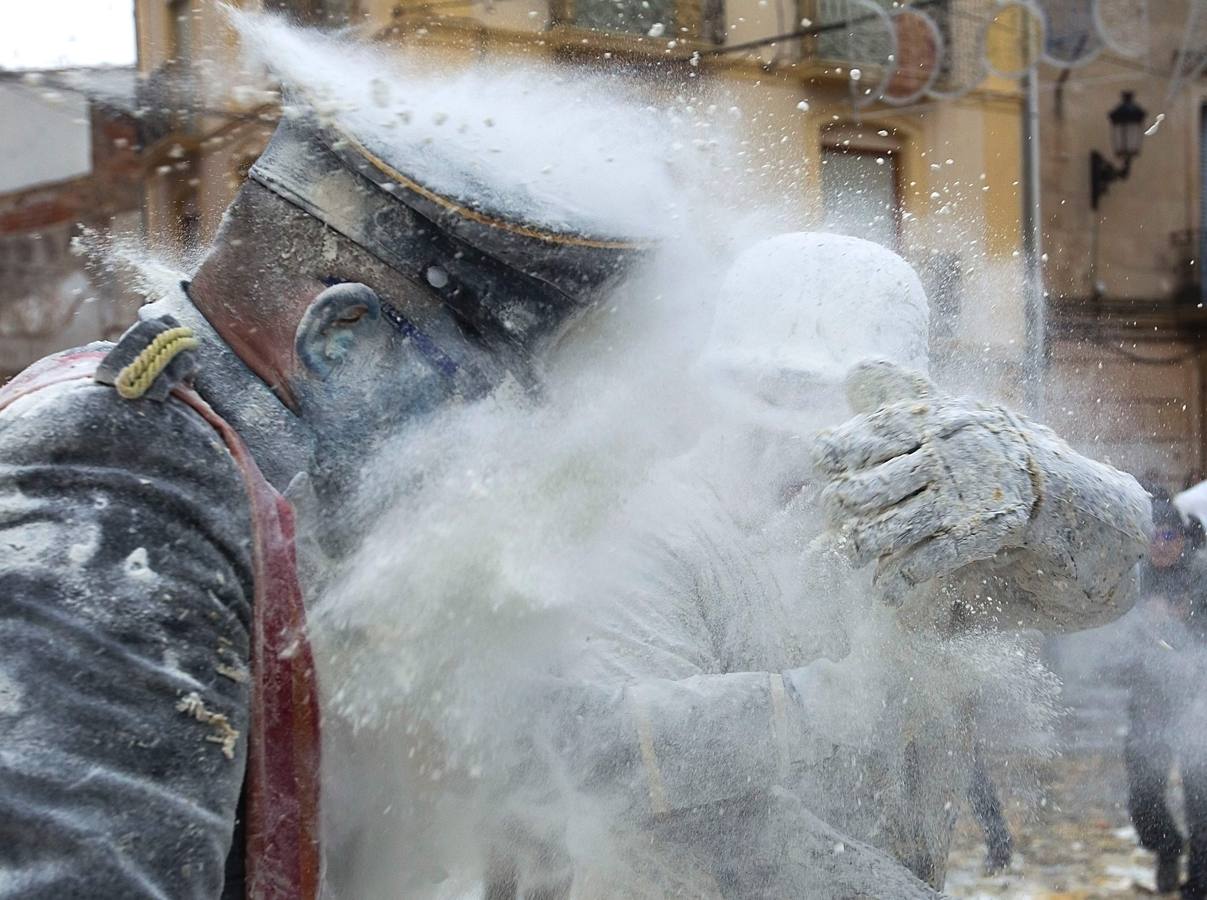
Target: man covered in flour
770,713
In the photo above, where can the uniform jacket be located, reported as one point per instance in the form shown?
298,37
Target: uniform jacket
149,614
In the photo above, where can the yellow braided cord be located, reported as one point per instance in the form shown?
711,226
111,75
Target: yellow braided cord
136,379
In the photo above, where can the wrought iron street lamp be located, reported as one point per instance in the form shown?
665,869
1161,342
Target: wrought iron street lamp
1127,131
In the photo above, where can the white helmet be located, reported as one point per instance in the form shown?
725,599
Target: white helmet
810,305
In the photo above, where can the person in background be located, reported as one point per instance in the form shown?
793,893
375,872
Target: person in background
986,807
1164,706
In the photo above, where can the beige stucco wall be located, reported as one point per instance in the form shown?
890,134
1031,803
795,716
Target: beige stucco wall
1136,219
1128,385
1143,417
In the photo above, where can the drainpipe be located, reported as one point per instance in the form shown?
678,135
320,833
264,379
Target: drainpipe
1034,305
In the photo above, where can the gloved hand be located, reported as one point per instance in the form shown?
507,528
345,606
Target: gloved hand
1025,531
922,482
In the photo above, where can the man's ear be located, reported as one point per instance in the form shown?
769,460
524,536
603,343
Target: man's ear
333,324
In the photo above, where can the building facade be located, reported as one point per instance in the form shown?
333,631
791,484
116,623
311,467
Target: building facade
1126,364
872,119
71,165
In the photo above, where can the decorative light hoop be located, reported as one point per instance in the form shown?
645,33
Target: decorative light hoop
1091,31
884,57
1035,22
920,20
1123,13
972,65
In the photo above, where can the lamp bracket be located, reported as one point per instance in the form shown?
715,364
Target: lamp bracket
1103,173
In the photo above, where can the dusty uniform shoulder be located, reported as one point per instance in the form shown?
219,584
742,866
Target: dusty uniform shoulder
151,358
125,614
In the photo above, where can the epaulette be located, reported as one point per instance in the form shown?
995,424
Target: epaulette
150,359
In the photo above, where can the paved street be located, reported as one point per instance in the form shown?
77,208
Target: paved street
1074,841
1077,845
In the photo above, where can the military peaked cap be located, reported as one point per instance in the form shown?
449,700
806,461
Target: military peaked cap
509,281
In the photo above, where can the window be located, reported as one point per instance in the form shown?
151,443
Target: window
859,193
860,36
702,20
853,31
960,23
940,12
320,13
630,16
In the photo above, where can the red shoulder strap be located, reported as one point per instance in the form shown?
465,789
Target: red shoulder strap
283,751
69,366
283,755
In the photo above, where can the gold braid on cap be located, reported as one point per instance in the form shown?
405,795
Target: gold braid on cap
481,218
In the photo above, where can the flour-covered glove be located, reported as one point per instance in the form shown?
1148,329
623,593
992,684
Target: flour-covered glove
928,485
923,482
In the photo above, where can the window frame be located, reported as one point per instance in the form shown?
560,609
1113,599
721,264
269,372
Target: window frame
703,21
892,156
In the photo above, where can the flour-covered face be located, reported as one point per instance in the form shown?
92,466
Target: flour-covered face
770,419
795,402
795,312
375,361
376,348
